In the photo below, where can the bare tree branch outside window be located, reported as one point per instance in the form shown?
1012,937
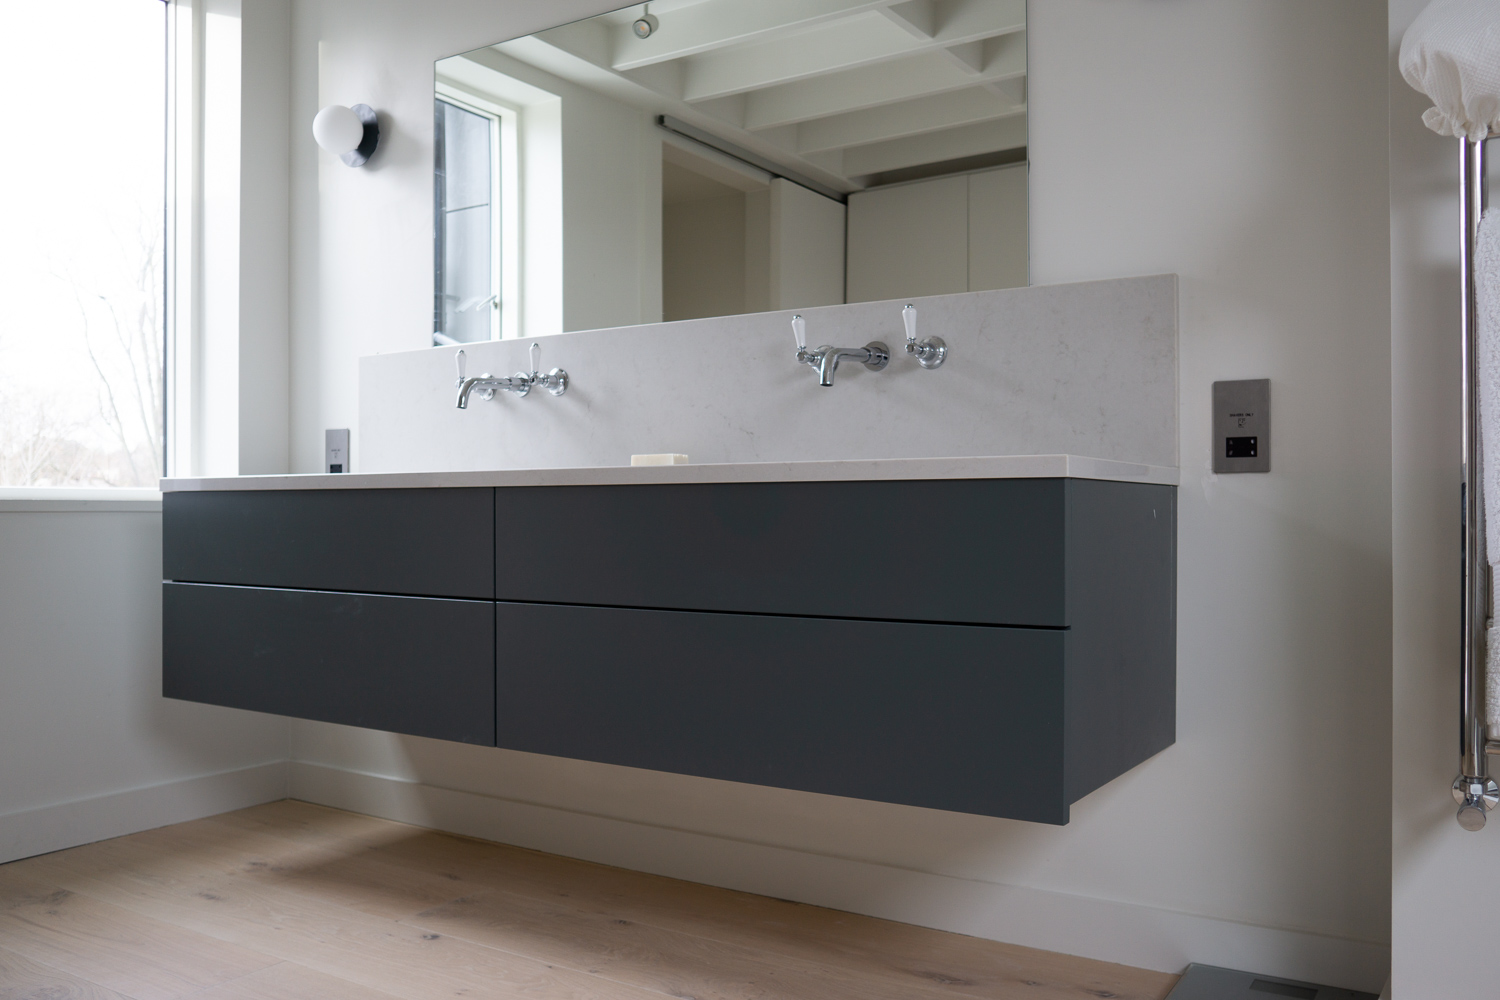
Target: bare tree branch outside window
81,247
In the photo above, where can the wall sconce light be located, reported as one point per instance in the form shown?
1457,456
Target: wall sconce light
350,133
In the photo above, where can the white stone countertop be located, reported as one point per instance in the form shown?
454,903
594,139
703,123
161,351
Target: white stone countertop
989,467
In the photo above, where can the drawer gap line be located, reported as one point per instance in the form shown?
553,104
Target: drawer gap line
629,607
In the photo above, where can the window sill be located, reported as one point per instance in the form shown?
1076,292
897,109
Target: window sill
48,499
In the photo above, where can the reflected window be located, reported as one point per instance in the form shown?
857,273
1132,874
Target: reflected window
466,251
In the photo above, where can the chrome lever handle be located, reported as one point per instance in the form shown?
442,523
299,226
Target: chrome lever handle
555,381
930,353
799,332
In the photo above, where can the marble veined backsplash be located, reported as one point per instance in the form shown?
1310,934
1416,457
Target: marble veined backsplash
1085,369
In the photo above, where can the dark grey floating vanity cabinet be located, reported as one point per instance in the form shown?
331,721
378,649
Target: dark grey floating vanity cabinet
991,646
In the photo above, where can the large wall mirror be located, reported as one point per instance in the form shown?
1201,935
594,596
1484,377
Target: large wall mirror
691,158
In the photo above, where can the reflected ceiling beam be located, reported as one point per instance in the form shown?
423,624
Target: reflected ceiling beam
968,57
938,19
826,48
872,86
830,89
917,117
935,147
704,27
529,57
972,28
1013,89
917,18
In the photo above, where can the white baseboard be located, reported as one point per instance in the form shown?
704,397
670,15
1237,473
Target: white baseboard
1132,934
45,829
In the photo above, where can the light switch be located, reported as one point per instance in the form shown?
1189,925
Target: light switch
336,450
1242,426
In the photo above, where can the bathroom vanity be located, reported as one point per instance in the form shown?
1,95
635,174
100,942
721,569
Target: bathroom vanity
985,635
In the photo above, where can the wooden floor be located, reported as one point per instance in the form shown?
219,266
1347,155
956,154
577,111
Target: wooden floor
291,901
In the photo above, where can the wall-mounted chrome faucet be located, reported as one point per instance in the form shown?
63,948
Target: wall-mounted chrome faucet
825,359
930,352
484,386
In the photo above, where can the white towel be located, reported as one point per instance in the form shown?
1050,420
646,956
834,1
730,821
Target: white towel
1451,53
1487,275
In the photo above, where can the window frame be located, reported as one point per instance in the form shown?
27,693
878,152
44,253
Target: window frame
505,200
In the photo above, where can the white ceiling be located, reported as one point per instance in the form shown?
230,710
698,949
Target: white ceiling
836,89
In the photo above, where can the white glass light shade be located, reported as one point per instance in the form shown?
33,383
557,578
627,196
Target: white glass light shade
338,129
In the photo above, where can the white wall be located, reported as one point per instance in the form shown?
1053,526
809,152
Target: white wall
1243,146
89,749
237,335
264,416
1443,879
1246,152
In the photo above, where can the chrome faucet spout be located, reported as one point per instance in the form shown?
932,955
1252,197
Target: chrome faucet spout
873,356
825,359
468,385
828,363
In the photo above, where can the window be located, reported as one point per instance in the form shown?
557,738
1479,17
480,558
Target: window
466,247
82,241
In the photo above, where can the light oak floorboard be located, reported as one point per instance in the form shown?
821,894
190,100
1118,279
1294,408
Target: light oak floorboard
381,954
327,901
289,981
23,979
664,960
210,849
917,956
135,955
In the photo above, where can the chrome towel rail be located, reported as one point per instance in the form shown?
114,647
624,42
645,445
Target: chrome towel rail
1474,790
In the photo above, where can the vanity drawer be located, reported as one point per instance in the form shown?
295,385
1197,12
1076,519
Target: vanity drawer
982,551
965,718
422,666
972,550
395,541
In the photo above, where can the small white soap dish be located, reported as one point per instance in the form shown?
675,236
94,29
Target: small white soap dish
667,459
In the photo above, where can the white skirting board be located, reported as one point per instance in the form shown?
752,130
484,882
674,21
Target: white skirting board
1111,931
44,829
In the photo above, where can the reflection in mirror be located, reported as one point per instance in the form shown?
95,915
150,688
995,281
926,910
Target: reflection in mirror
464,217
729,156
